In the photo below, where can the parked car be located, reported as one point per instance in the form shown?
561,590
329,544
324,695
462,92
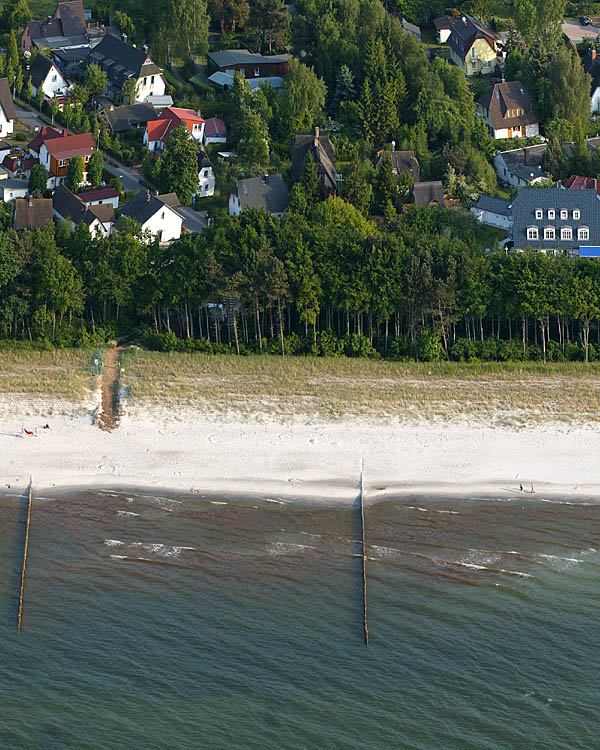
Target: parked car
584,21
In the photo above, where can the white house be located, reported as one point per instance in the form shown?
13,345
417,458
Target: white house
521,166
509,111
206,176
214,131
158,131
495,212
46,75
157,219
442,26
13,188
68,207
7,109
103,196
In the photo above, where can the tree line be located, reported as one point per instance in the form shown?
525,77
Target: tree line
325,280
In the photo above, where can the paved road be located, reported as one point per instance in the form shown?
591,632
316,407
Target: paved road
29,118
193,221
130,179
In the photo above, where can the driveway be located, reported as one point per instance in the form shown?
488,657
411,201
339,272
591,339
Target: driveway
29,118
193,221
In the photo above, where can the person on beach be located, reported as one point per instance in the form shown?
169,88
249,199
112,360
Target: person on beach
29,432
520,488
532,490
46,426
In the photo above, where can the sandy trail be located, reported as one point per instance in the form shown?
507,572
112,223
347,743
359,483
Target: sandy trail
109,414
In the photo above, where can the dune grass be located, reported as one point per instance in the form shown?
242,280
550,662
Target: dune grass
62,373
254,387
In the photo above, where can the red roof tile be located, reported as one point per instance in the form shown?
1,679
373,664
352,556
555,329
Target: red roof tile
71,145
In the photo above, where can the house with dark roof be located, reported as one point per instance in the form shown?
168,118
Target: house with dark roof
554,219
252,65
403,162
521,166
591,65
32,213
496,212
99,197
317,145
577,182
428,194
13,188
442,26
121,119
56,153
7,109
68,207
158,131
46,75
268,192
158,219
214,131
472,47
46,133
509,111
206,176
411,28
68,23
123,62
19,165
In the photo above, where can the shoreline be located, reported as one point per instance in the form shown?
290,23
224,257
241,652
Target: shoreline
186,452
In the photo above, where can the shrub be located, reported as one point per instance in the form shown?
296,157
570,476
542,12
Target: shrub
429,346
463,350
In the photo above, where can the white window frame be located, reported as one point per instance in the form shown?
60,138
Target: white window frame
533,233
549,233
551,213
583,233
539,214
256,72
564,214
576,213
566,233
62,162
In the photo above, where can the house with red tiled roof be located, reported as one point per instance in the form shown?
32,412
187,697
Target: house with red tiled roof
158,131
56,153
577,182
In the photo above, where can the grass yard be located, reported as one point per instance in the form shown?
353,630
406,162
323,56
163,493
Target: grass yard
64,373
507,393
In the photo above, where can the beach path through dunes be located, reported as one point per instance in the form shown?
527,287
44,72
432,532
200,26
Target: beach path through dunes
109,416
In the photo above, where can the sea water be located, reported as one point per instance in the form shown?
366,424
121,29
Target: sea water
216,622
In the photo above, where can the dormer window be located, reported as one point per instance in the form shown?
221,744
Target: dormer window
583,233
532,233
576,213
539,214
548,233
551,213
566,233
564,214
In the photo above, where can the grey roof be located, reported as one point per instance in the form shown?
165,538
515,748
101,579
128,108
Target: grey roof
591,65
224,57
411,28
59,42
530,199
428,193
170,199
40,68
14,183
464,32
203,160
318,144
114,50
443,22
515,161
6,99
74,54
402,162
45,28
122,118
70,207
143,206
494,205
269,192
72,18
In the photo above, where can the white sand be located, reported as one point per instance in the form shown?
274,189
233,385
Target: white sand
191,452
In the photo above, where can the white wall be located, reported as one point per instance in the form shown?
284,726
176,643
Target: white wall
148,87
53,84
9,194
169,225
595,103
493,219
114,202
234,205
6,125
206,182
443,35
214,139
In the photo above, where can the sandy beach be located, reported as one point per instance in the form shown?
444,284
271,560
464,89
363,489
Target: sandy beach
187,451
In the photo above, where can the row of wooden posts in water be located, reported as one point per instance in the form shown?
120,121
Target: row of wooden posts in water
363,545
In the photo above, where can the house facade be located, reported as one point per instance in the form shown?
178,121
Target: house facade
316,145
157,132
123,62
13,188
7,109
472,47
554,219
56,153
443,26
206,176
68,207
268,192
252,65
509,111
106,196
215,131
47,76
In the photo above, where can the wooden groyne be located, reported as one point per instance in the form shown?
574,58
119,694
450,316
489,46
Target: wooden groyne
364,555
25,551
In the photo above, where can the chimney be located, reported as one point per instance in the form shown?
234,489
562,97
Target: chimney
464,20
147,196
593,54
124,37
393,146
30,201
526,156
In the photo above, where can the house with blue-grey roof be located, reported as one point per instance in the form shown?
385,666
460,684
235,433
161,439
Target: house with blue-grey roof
554,219
521,166
496,212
